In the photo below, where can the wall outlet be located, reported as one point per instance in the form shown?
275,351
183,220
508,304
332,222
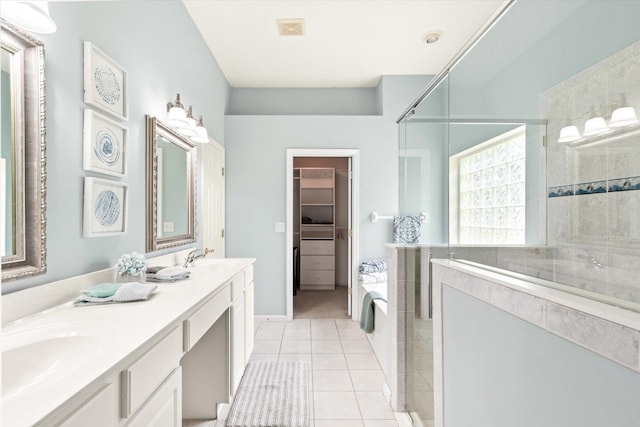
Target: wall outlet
168,226
280,227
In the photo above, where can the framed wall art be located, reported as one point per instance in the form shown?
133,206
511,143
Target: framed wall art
105,82
104,145
105,207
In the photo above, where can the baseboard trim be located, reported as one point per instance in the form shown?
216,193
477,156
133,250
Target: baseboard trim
275,318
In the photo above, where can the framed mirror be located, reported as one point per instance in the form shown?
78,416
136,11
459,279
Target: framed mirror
171,187
23,155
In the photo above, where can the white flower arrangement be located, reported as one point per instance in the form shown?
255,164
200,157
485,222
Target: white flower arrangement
133,264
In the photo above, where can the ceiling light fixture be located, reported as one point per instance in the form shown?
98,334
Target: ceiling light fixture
32,16
432,37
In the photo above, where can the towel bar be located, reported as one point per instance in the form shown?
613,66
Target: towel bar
375,217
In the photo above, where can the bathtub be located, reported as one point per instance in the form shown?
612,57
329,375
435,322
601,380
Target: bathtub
378,338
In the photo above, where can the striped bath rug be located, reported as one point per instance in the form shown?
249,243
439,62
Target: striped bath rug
272,394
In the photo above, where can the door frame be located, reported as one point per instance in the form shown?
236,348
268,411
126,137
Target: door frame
354,154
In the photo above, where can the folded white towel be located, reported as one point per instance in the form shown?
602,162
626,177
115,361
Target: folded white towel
132,291
378,277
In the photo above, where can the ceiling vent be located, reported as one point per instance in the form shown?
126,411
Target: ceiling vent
291,27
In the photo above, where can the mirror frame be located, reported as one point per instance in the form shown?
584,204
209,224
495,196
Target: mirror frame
154,243
29,145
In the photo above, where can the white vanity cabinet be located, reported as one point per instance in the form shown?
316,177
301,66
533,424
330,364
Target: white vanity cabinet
191,339
100,410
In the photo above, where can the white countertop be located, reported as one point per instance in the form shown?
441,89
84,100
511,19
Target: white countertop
99,337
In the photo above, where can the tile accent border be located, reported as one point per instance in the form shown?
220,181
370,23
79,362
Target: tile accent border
608,186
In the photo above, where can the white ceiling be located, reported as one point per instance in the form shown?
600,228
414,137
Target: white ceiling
348,43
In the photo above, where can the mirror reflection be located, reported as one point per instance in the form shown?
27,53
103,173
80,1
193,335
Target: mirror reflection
171,188
7,195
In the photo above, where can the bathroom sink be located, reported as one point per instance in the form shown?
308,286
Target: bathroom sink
219,262
36,357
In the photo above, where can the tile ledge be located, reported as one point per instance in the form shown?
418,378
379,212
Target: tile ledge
609,312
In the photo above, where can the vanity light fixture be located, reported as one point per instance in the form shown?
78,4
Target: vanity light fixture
569,134
202,135
623,116
189,127
595,126
32,16
177,116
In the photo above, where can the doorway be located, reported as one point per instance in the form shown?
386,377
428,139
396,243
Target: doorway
322,232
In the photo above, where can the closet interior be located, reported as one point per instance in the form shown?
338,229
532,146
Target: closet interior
321,223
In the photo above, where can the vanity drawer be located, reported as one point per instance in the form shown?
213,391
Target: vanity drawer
99,410
317,277
145,375
200,321
310,262
317,247
237,286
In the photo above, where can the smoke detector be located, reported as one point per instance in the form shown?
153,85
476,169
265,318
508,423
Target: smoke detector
432,37
291,27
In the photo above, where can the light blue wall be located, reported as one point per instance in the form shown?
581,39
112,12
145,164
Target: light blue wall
301,101
157,44
256,185
500,371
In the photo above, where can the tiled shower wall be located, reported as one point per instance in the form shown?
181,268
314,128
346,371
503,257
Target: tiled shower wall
593,205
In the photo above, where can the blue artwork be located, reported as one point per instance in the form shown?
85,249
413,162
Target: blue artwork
106,84
107,208
106,147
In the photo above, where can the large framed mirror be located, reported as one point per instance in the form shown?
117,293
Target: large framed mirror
171,187
23,155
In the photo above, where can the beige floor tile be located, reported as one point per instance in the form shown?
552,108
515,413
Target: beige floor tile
367,379
298,324
297,334
332,381
198,423
271,325
266,346
328,361
323,330
255,357
356,346
269,334
336,405
295,347
352,334
381,423
326,346
362,361
298,357
347,324
338,423
374,406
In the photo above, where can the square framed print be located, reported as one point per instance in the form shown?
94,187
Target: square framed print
104,145
105,82
105,207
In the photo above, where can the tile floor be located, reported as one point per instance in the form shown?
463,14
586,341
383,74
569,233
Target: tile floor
346,381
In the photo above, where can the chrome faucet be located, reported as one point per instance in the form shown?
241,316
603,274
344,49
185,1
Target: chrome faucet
591,260
194,255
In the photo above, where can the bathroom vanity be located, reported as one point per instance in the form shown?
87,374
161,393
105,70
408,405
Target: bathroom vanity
178,355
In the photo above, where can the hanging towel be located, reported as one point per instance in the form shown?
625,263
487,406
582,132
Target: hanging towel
406,229
373,266
127,292
366,319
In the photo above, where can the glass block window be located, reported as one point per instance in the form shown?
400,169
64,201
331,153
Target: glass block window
491,191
